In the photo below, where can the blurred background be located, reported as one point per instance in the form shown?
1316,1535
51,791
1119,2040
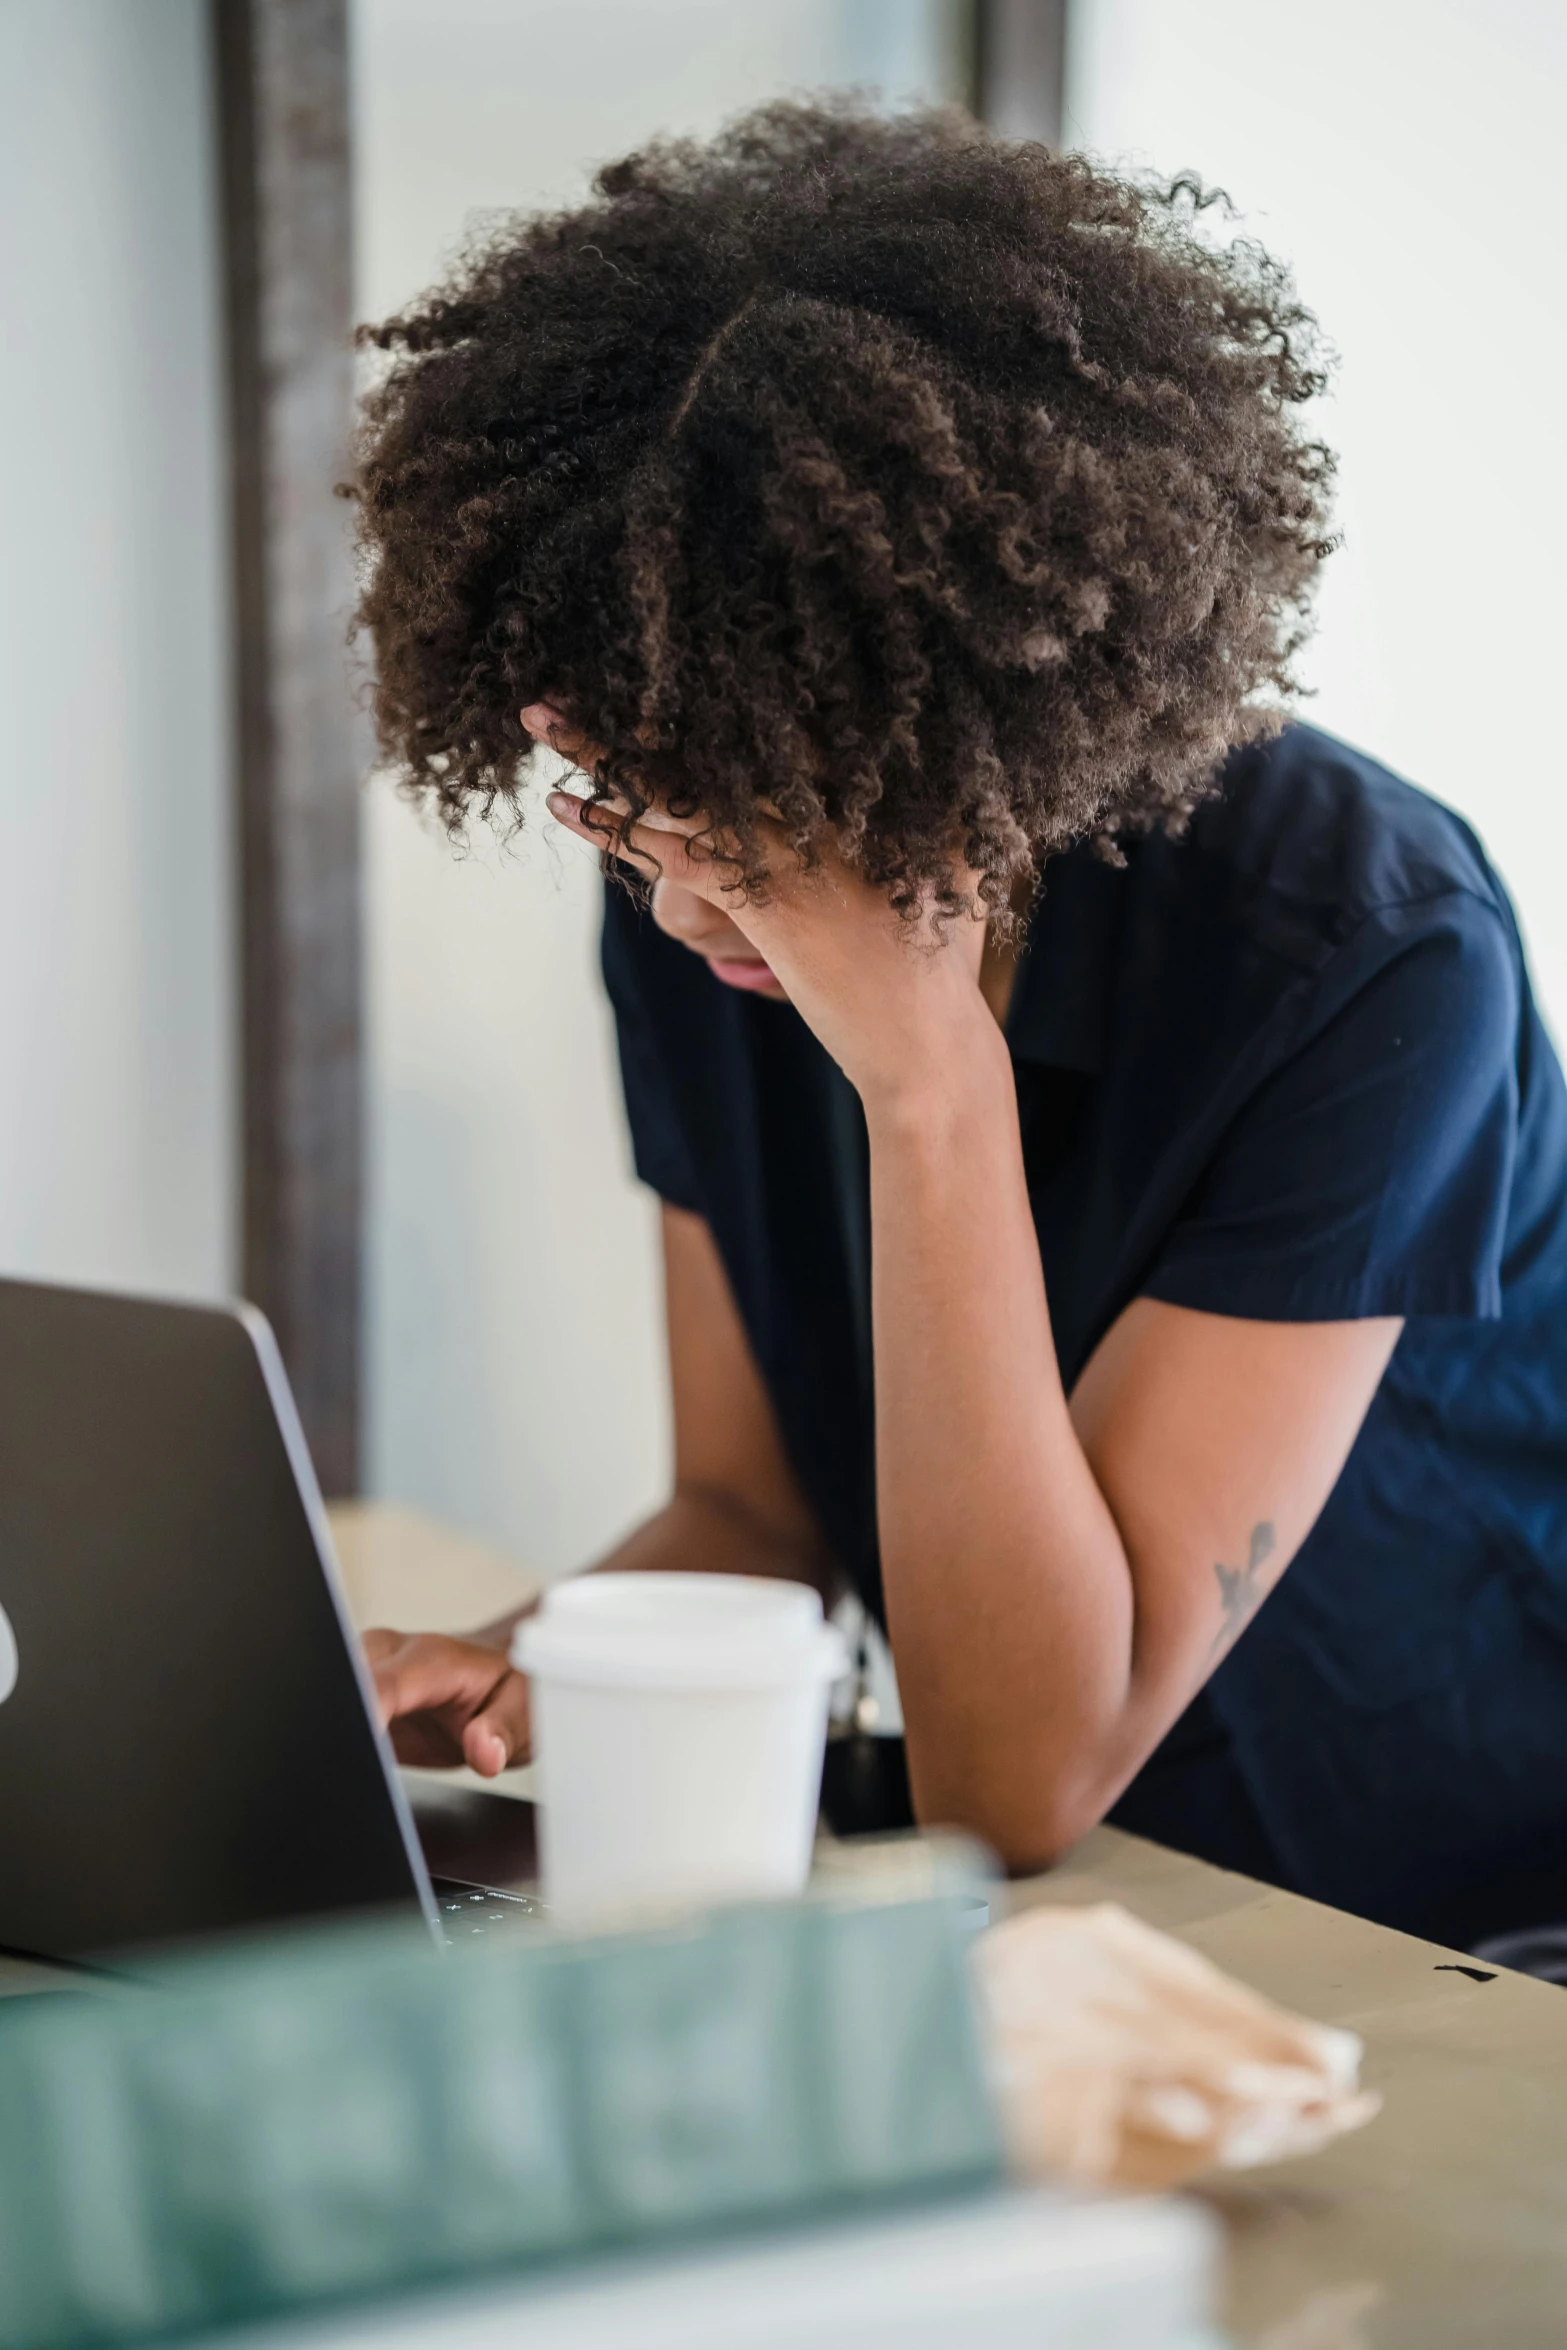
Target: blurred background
259,1027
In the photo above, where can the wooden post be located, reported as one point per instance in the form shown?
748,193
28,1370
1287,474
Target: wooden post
282,97
1020,67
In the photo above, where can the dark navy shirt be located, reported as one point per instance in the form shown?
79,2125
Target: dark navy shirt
1289,1068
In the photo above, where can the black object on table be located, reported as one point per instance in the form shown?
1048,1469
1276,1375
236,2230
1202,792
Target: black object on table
865,1785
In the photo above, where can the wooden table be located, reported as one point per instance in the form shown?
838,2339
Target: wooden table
1443,2226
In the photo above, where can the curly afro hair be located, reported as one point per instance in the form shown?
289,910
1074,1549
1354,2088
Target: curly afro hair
942,494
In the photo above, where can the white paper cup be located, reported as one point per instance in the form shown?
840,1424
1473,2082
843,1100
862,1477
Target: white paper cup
678,1727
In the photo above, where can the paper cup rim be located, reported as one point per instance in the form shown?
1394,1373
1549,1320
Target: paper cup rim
613,1655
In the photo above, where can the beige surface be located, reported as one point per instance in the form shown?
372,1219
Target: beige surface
405,1570
1443,2226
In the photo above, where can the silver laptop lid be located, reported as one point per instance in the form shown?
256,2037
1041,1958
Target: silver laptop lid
188,1741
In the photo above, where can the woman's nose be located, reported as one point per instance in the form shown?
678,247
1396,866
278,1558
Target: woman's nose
687,917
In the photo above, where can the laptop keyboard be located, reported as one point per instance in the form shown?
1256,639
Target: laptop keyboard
469,1910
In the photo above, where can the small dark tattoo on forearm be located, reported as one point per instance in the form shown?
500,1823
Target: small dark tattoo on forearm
1239,1594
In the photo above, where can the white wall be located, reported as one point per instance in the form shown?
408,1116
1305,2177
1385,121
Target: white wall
516,1380
1405,156
116,1004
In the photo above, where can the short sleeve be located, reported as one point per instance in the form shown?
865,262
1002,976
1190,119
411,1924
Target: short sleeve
1371,1173
658,1146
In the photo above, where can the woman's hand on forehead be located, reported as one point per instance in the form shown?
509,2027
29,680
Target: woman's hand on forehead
680,853
891,1001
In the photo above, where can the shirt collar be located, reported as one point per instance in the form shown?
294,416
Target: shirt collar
1060,1011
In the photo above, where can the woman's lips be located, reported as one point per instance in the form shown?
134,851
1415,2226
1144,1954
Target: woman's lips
741,972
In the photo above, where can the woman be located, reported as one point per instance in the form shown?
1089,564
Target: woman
1113,1171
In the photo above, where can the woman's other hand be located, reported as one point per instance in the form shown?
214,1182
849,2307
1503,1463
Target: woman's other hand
447,1702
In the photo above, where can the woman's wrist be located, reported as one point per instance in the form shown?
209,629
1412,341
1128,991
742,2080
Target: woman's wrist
499,1634
952,1075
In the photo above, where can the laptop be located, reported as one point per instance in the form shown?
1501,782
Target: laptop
189,1743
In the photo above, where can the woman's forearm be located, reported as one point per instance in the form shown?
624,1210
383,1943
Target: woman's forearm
703,1531
698,1532
1009,1594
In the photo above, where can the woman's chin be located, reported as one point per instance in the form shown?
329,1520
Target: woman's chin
748,975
